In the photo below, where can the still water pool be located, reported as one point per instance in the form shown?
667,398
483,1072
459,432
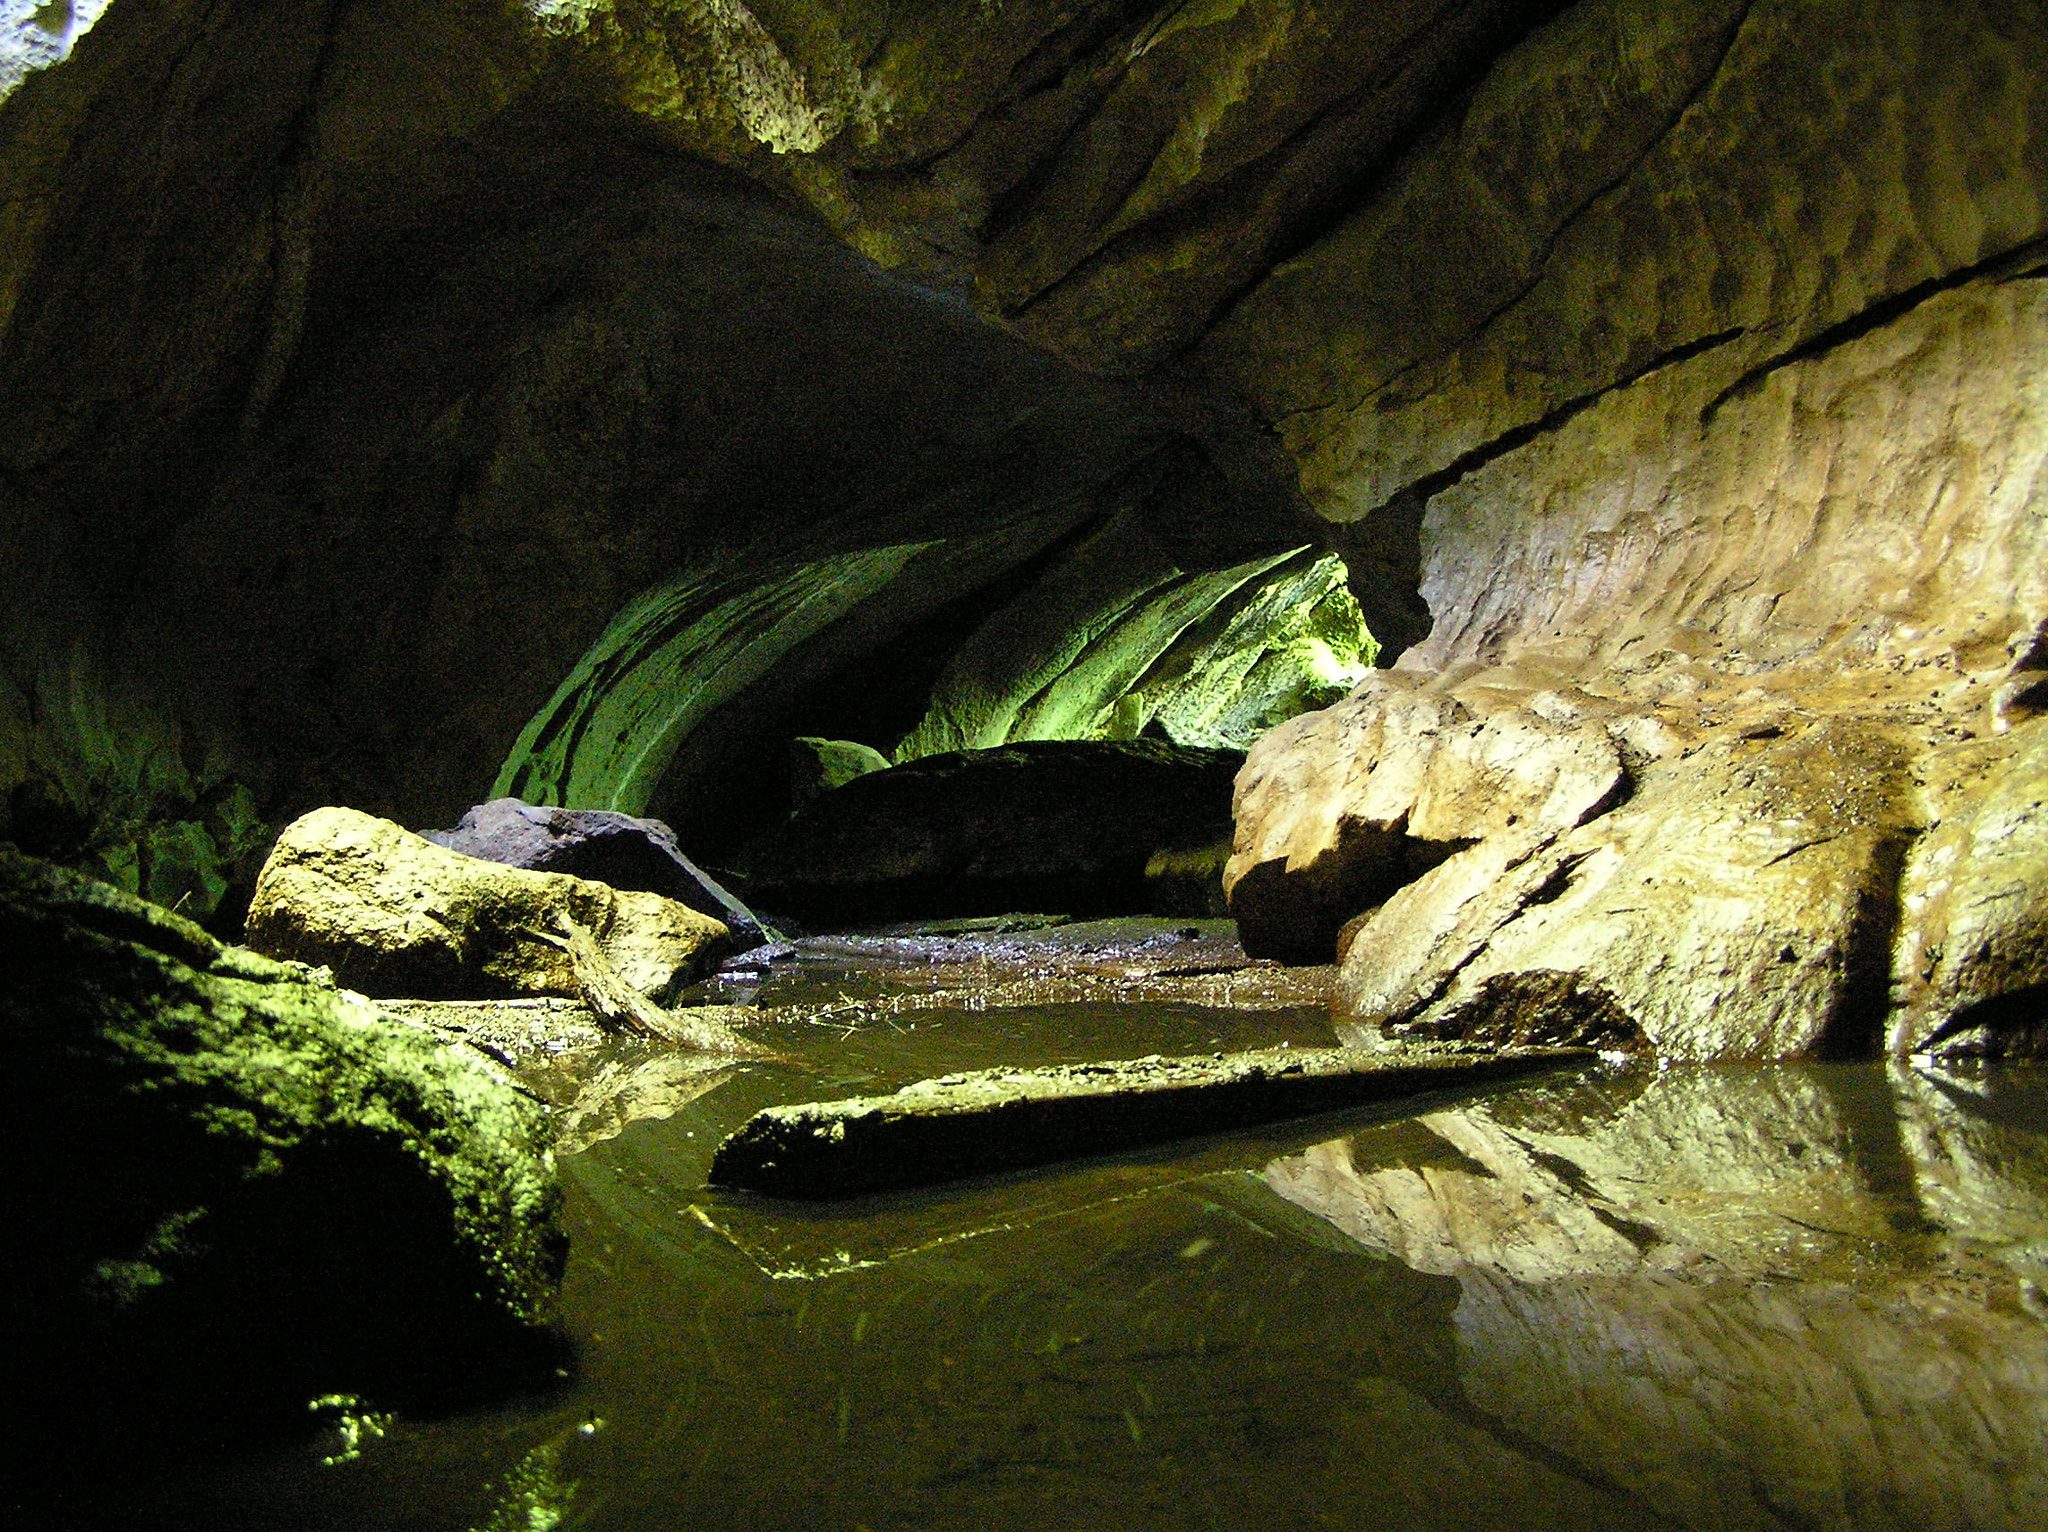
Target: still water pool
1770,1297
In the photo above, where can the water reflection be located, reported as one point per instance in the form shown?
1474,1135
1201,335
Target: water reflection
1753,1298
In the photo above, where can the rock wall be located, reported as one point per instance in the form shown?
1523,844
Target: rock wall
1694,370
387,384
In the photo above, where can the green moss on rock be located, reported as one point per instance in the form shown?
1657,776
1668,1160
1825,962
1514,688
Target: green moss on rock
248,1187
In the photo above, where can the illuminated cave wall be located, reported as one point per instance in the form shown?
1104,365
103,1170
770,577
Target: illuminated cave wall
580,398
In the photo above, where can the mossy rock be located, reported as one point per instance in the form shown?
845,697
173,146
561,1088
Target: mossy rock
241,1188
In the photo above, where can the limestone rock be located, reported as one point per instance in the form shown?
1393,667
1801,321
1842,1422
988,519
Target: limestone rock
1338,809
392,914
819,765
1971,972
986,1120
1124,637
631,854
253,1188
1047,824
1740,906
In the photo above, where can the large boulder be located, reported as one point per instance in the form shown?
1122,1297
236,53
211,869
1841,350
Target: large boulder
629,853
1339,808
1738,907
238,1187
1068,825
392,914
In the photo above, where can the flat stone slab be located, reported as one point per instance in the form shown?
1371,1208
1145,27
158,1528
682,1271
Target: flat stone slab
1005,1119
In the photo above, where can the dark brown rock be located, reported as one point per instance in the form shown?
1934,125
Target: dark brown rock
1067,825
626,852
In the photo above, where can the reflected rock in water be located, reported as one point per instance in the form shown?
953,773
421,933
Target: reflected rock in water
1978,1139
1763,1297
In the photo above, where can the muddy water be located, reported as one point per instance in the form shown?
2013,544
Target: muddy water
1809,1297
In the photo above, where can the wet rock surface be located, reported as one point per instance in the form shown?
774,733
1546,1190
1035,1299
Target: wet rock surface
1064,825
391,914
1771,889
977,1123
1339,808
252,1188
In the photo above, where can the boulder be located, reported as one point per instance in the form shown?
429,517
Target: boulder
819,765
244,1187
1339,808
392,914
1067,825
1738,907
629,853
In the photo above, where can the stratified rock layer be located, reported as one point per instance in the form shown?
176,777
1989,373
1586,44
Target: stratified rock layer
1766,509
390,913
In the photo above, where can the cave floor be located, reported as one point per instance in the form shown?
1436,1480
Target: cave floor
1810,1295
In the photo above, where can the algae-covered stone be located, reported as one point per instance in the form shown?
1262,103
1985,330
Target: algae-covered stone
393,914
819,765
242,1187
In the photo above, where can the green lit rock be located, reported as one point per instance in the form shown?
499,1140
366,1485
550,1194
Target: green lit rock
245,1188
819,765
1119,640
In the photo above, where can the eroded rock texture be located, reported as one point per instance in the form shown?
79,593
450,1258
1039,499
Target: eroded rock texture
1724,441
604,394
390,913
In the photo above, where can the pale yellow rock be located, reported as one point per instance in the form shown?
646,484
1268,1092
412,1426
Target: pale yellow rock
1973,937
392,914
1737,908
1336,810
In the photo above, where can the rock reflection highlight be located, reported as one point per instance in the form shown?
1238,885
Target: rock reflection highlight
1796,1296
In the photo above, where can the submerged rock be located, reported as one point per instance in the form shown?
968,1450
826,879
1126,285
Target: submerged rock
988,1120
392,914
629,853
249,1187
1065,825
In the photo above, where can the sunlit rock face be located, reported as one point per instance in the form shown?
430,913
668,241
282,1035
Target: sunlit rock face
1756,1296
